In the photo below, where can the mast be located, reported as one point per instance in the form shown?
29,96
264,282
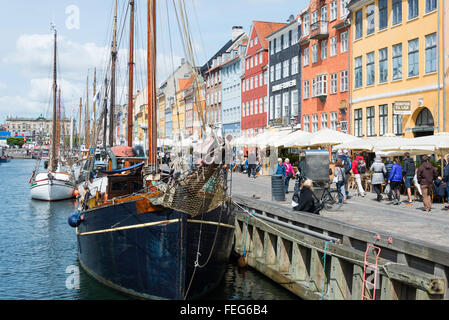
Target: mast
53,160
94,110
105,102
114,60
151,58
79,124
87,129
131,76
58,135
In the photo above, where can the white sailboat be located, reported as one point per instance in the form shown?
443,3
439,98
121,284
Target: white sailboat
56,184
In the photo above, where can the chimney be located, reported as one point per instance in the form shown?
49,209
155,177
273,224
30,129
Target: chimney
236,32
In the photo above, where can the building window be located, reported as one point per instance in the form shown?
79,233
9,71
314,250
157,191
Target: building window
285,104
306,89
334,79
295,103
306,123
306,24
256,41
285,42
265,101
383,119
334,121
358,72
344,42
343,10
333,13
397,61
370,69
261,106
295,65
266,77
277,106
251,108
323,49
431,5
271,47
314,122
256,81
314,20
320,85
323,120
306,56
260,79
397,124
251,62
413,58
413,9
278,45
278,71
272,108
370,122
431,53
383,14
359,24
272,74
260,58
314,53
370,19
383,65
397,11
358,126
333,46
256,106
286,67
344,81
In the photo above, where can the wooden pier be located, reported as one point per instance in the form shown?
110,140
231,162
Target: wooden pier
317,257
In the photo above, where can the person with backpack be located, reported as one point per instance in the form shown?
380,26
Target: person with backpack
409,174
358,168
427,174
395,181
378,177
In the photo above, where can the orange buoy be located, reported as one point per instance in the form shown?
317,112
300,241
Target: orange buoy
242,262
76,193
105,197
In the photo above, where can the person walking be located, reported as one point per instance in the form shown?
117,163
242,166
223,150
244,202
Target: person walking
252,162
427,174
280,168
409,174
289,173
388,167
357,165
395,181
378,176
339,174
348,166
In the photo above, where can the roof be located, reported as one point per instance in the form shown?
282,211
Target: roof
185,84
264,28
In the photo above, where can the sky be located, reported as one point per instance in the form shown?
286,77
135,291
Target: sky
84,29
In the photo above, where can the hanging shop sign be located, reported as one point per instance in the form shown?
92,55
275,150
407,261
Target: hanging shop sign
402,107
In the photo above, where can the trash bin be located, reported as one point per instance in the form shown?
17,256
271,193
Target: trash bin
278,187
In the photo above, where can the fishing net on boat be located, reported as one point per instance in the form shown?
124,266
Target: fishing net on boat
196,192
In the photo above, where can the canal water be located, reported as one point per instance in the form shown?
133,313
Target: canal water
38,252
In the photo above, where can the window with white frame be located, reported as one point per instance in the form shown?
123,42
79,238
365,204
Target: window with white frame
397,11
251,62
265,104
260,58
370,19
295,65
344,81
314,122
306,56
251,83
323,120
278,45
314,53
397,124
278,71
370,69
333,49
358,125
285,104
314,19
306,123
286,42
413,57
278,106
294,103
333,13
306,24
431,5
397,61
256,106
272,74
266,77
251,107
370,130
306,90
271,108
243,86
320,85
260,105
343,10
344,42
323,49
383,65
256,40
272,47
256,81
255,61
334,79
260,79
334,120
358,73
431,53
383,119
286,68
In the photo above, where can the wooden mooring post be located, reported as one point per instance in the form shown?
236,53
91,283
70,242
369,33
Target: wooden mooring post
289,248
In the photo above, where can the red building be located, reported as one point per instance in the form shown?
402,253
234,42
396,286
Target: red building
254,106
325,65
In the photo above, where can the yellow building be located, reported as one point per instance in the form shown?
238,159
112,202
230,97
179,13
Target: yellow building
161,115
397,68
140,118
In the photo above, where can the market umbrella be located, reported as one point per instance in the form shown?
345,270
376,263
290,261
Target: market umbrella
297,139
277,139
327,137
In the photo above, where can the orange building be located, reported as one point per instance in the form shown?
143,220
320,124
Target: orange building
325,65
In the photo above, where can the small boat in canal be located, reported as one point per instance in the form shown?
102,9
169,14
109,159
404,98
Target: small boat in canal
57,183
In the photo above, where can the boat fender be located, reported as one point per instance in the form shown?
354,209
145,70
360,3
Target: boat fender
76,193
75,219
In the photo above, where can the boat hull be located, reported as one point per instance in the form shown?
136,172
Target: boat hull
152,255
55,189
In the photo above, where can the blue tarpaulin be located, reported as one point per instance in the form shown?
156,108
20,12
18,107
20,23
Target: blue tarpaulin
124,169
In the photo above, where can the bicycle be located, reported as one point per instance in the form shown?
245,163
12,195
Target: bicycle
328,198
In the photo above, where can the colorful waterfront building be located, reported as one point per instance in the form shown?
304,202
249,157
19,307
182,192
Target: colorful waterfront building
397,67
325,65
284,88
140,118
254,87
211,72
195,104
